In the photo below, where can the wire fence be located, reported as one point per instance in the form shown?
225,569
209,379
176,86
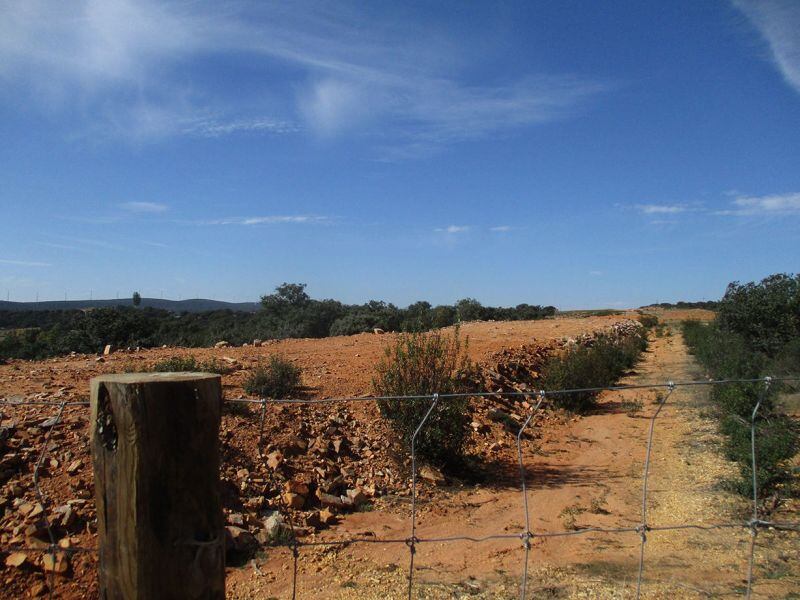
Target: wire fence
754,525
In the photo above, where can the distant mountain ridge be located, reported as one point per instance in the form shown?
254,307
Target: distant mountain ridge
178,306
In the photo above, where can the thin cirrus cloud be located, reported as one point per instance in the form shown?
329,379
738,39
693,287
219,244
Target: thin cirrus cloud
144,207
453,229
266,220
24,263
396,79
764,206
661,209
778,22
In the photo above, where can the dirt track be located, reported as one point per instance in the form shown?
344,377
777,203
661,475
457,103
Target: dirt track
585,473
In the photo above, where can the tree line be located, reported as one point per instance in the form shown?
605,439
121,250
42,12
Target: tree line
289,312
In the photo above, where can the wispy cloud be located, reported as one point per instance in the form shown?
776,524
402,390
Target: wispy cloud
661,209
144,207
596,273
760,206
24,263
778,21
453,229
501,228
399,81
265,220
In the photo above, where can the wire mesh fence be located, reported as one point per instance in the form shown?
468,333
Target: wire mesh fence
536,401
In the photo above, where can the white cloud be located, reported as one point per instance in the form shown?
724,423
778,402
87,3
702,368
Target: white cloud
596,273
778,21
661,209
121,68
501,228
24,263
266,220
774,205
453,229
144,207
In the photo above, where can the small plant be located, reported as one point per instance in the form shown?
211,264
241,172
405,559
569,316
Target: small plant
279,378
569,516
632,407
421,364
597,506
648,321
187,364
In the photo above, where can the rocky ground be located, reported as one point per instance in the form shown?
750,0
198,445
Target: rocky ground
339,473
339,458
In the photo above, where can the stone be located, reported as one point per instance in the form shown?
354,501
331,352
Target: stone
329,500
221,344
274,460
16,559
236,519
100,359
57,563
294,446
238,539
291,500
294,486
257,343
229,360
275,527
432,475
74,466
107,350
356,496
378,331
37,590
313,520
327,516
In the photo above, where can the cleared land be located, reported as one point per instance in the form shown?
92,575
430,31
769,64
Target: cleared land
582,472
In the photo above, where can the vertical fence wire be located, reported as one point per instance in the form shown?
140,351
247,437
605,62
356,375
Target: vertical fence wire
282,509
42,500
754,523
526,535
643,527
412,541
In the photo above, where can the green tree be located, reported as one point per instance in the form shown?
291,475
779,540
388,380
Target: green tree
137,298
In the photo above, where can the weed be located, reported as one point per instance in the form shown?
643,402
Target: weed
279,378
420,364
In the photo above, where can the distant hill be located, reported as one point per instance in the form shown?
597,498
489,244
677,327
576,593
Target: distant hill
193,305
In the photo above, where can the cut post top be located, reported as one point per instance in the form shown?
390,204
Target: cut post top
134,378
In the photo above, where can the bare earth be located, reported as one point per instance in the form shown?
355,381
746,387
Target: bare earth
581,473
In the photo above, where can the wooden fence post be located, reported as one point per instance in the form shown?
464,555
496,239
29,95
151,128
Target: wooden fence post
155,452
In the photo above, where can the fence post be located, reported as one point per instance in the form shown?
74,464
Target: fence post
155,452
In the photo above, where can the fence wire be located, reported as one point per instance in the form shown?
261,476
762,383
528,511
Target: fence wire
526,537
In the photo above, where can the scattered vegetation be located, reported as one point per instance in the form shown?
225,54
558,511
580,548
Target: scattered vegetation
755,334
190,364
419,364
279,378
289,312
597,365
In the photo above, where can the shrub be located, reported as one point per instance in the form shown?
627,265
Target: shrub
190,364
739,347
597,365
647,320
280,378
420,364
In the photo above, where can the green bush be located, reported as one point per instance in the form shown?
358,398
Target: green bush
647,320
744,343
597,365
279,378
190,364
421,364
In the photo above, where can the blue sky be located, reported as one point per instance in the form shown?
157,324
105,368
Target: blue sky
569,153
